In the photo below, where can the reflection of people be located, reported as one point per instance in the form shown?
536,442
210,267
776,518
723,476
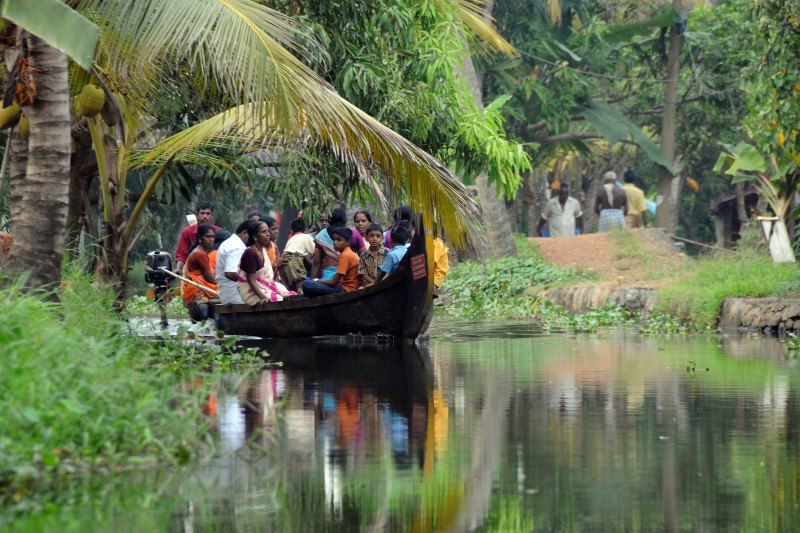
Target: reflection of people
563,213
611,203
636,205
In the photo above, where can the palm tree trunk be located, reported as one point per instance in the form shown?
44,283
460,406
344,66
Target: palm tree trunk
495,215
83,167
669,186
38,220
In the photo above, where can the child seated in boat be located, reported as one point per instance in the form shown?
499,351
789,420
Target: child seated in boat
399,238
373,257
299,251
346,277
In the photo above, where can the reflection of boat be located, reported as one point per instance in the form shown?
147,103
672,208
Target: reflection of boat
398,306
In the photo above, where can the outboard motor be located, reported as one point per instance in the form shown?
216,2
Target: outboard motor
153,273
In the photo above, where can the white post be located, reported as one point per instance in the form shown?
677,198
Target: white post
777,239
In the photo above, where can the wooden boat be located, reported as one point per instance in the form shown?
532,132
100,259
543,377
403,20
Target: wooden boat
400,306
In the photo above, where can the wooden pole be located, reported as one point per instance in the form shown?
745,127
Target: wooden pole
190,282
697,243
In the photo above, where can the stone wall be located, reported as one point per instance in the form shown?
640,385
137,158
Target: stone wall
765,314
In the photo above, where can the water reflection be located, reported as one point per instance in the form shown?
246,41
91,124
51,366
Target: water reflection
496,431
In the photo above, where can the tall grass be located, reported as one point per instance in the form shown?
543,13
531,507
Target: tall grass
697,296
77,395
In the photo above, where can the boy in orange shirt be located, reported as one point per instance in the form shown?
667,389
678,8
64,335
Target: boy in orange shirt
346,277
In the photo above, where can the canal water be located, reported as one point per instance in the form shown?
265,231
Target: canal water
487,427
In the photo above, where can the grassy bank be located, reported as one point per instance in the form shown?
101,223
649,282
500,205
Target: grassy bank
79,396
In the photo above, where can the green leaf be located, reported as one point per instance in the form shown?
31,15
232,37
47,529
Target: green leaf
58,24
613,125
746,158
625,32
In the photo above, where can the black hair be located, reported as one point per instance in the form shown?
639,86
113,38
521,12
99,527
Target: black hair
400,235
364,212
629,176
343,232
373,227
253,230
338,218
403,212
203,205
271,221
244,226
255,214
220,236
297,225
202,229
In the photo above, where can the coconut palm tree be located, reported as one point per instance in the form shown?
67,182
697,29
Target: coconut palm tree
248,54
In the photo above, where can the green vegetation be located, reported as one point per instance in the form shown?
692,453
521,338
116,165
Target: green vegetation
502,288
696,295
79,396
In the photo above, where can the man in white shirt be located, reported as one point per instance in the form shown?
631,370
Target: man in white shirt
563,214
228,257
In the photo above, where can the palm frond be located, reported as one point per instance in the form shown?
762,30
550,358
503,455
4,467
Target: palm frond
473,14
361,141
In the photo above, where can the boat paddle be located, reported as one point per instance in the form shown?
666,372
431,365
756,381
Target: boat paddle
190,282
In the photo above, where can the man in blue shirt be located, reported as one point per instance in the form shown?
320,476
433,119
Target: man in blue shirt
399,237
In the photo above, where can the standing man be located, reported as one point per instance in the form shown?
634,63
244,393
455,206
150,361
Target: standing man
611,203
636,205
563,213
205,215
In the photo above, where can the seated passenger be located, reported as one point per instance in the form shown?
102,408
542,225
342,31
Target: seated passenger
256,284
198,268
399,237
228,257
299,251
346,277
373,257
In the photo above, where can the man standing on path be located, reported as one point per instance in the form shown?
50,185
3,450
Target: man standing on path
205,215
611,203
563,213
636,205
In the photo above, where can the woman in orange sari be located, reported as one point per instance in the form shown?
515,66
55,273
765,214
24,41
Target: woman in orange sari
199,268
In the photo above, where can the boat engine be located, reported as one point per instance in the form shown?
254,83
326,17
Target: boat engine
153,273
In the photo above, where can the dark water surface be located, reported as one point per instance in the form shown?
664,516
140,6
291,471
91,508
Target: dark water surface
489,427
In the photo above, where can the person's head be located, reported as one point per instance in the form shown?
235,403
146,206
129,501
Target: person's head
243,229
563,192
205,236
204,212
361,220
220,236
274,227
374,235
324,221
338,218
609,177
258,234
629,176
255,216
297,225
342,237
403,212
400,235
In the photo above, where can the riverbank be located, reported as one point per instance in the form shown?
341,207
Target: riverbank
82,396
633,274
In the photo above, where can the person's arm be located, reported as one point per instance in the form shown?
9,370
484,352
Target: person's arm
540,226
579,223
331,282
182,250
205,268
316,269
233,276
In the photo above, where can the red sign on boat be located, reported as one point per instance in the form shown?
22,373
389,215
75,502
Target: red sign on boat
418,270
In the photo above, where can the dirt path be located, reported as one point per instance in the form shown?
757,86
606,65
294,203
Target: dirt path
645,257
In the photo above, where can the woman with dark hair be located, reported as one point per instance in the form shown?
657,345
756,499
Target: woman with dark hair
326,258
256,281
199,268
361,220
402,217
